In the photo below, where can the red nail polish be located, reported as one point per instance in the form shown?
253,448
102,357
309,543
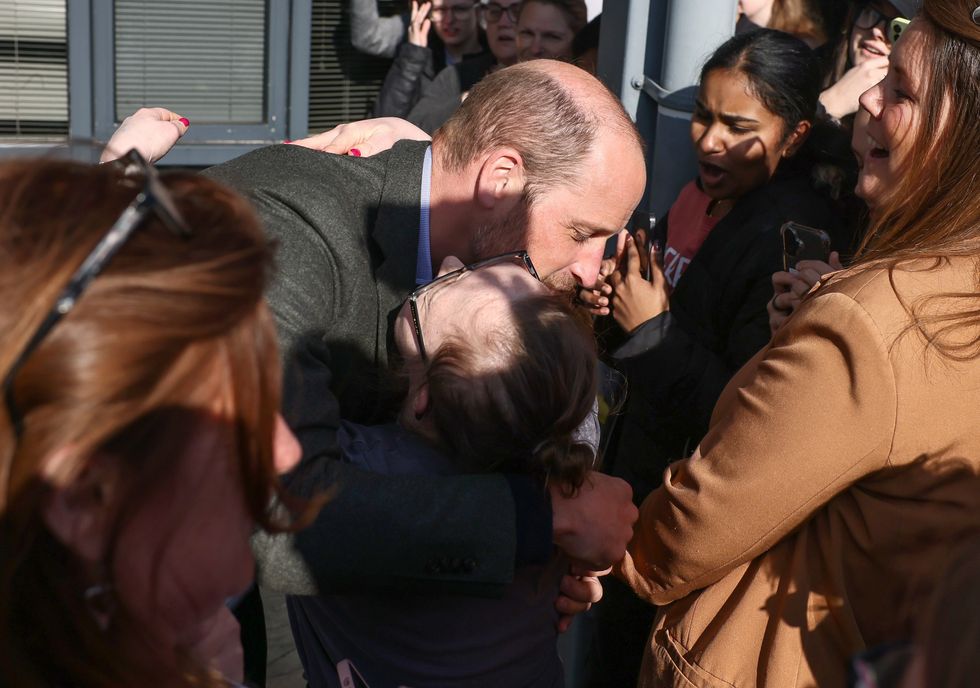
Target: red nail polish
287,141
356,153
186,122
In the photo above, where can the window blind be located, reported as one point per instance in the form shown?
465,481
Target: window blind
343,81
33,70
205,60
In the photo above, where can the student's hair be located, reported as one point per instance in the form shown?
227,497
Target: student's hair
520,414
934,210
781,70
121,376
532,111
576,12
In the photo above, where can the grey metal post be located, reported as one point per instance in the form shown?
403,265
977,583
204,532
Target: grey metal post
694,28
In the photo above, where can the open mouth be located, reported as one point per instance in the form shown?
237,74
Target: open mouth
711,174
876,150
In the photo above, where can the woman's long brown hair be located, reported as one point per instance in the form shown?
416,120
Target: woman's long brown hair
169,325
934,210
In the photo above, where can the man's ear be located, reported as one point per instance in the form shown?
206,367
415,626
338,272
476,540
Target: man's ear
796,138
78,511
500,178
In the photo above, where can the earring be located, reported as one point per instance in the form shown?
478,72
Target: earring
101,603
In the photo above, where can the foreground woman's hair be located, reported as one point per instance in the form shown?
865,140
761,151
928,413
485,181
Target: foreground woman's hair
126,374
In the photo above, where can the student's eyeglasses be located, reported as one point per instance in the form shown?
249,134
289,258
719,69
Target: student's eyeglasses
493,12
870,16
425,292
153,198
458,12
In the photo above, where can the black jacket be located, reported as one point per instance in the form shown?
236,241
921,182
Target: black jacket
677,363
414,68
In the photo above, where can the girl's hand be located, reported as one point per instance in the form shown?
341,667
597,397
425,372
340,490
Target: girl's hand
636,299
151,131
595,300
841,99
364,138
791,287
418,26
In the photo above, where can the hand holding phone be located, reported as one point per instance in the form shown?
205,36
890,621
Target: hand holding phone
803,243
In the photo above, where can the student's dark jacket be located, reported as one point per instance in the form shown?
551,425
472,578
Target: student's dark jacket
677,363
414,67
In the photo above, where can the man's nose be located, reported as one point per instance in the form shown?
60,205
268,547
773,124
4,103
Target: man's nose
536,48
586,269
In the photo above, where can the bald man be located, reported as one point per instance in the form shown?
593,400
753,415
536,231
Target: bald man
540,157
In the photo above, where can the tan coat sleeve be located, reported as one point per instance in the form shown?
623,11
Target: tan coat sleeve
817,415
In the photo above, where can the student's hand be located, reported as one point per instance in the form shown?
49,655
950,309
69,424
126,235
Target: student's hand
595,525
365,137
791,287
579,590
217,644
841,99
595,300
636,299
418,26
151,131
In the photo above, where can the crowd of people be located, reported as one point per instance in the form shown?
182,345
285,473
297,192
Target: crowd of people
364,369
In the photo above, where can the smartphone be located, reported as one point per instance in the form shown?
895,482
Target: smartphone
803,243
895,28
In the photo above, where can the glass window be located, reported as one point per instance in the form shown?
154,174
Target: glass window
33,71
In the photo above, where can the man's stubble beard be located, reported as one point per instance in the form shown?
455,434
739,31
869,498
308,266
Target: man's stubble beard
509,233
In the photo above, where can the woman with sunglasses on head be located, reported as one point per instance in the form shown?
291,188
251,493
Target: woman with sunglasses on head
502,372
140,397
842,463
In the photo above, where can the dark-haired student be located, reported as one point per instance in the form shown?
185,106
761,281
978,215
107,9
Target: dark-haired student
703,314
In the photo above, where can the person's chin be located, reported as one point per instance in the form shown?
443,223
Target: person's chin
562,282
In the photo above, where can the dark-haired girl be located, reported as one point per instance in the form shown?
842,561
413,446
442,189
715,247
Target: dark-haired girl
702,315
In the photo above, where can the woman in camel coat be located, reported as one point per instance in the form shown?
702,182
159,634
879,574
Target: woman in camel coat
843,461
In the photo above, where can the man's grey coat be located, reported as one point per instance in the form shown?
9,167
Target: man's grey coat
347,230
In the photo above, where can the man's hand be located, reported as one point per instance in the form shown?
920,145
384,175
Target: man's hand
595,525
151,131
579,590
418,26
364,138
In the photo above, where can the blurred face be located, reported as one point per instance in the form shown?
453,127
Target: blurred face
454,20
185,549
868,37
543,32
500,17
894,111
738,141
757,11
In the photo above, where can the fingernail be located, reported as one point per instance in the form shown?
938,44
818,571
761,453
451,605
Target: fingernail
287,140
356,153
186,122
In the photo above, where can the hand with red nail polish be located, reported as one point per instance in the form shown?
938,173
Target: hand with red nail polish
151,131
365,138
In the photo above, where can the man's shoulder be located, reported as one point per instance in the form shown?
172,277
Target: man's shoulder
290,168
